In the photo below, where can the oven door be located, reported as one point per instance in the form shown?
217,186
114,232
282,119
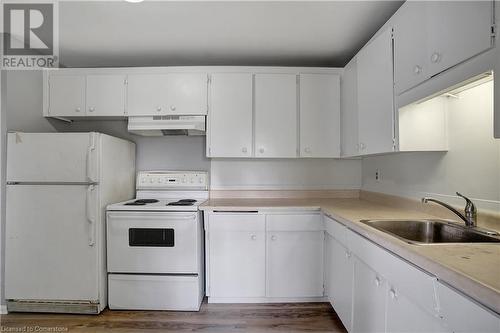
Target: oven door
153,242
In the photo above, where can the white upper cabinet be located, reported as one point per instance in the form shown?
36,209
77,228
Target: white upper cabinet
163,94
376,95
187,93
349,110
230,117
66,96
457,31
146,94
410,46
432,36
275,115
319,115
105,95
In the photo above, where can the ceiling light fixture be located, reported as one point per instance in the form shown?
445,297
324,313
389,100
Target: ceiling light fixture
134,1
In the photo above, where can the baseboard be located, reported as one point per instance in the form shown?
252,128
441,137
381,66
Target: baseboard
3,309
267,299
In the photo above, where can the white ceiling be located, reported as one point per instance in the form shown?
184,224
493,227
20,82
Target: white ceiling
156,33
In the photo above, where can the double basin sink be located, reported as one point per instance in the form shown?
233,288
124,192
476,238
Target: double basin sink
429,231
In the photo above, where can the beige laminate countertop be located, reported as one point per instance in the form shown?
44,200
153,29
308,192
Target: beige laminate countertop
474,269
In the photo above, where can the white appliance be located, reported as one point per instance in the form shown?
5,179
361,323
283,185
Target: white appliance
58,186
155,243
166,125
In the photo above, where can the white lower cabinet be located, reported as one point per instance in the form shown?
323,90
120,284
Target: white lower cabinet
369,295
256,257
295,264
373,290
340,281
237,255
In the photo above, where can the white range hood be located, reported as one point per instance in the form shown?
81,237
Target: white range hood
166,125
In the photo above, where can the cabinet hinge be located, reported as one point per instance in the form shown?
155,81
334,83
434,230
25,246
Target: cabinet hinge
493,30
125,81
394,143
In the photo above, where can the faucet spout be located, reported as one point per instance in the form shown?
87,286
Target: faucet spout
470,212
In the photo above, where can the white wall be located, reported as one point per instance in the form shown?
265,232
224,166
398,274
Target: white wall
471,166
286,174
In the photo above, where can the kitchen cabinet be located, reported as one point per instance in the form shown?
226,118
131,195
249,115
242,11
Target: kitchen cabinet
410,46
349,110
457,31
275,115
369,295
237,255
66,96
294,255
319,115
259,257
341,282
167,94
230,118
433,36
460,314
496,102
105,95
404,315
375,95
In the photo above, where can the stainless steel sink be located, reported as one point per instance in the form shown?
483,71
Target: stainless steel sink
433,231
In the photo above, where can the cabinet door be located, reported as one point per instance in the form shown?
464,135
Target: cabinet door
106,95
146,95
375,95
410,46
341,280
295,264
462,315
496,102
319,115
403,315
349,109
237,255
66,95
230,117
457,31
186,93
368,300
275,115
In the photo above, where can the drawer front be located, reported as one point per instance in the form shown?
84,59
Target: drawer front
402,277
336,230
236,222
154,292
460,314
294,222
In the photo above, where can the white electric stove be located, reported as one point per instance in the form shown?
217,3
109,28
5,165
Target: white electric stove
155,243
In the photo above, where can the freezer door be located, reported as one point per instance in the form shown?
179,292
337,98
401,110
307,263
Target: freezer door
51,248
52,157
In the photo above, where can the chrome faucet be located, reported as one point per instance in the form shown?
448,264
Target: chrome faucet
470,211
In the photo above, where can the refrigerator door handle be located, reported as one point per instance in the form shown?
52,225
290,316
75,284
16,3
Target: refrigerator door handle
90,214
90,160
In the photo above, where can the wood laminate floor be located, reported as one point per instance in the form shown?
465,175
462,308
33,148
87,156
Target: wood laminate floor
292,317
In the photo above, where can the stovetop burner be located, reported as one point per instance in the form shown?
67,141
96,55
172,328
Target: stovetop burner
141,202
182,202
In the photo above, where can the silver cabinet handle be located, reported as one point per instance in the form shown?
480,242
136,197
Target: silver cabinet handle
377,281
253,237
91,109
436,57
417,69
158,108
261,150
273,237
393,294
78,109
244,150
172,107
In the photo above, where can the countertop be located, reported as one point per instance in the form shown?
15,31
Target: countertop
473,269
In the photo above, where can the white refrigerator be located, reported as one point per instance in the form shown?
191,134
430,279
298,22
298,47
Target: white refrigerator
58,186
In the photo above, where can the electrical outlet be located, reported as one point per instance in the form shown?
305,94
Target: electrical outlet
377,175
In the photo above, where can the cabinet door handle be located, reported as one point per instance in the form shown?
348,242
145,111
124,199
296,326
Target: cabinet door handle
307,150
436,57
253,237
261,150
377,281
172,107
244,150
273,237
158,108
78,109
91,109
347,254
393,294
417,69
